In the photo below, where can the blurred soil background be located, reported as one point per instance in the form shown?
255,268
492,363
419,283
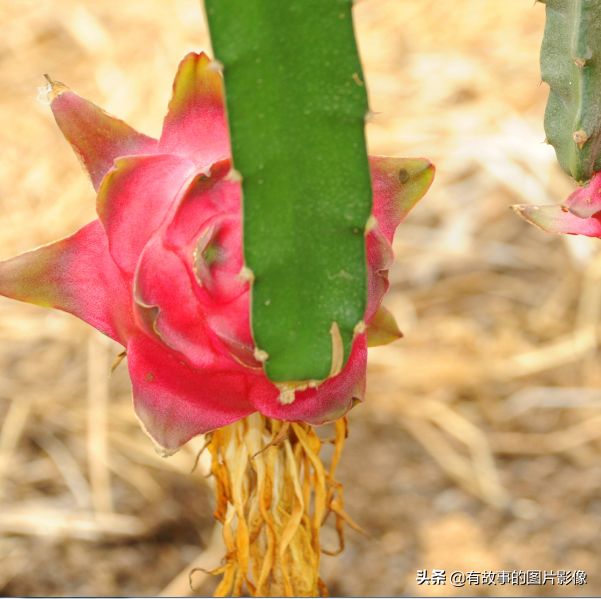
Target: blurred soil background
479,447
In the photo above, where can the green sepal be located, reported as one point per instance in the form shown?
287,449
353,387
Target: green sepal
383,329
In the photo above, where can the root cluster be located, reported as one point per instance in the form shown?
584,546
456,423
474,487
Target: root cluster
273,496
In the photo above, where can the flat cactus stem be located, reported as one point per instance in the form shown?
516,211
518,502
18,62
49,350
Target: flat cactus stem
570,64
297,103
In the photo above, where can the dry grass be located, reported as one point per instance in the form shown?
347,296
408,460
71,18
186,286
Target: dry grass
497,378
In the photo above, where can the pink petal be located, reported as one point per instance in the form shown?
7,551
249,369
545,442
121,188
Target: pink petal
380,258
133,200
398,184
195,125
558,219
176,403
586,201
168,308
199,309
207,335
204,226
96,136
77,275
231,324
332,400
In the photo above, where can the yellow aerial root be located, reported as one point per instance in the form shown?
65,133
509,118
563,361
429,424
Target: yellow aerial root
273,496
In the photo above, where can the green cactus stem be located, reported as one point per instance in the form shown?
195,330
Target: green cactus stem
570,63
297,103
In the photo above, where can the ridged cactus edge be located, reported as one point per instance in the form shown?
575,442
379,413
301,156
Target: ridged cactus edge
297,103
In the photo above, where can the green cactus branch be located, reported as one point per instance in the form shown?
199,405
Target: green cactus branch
296,104
570,64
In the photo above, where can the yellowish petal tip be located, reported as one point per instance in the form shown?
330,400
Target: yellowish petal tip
51,90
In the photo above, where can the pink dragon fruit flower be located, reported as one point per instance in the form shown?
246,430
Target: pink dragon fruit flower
579,215
159,270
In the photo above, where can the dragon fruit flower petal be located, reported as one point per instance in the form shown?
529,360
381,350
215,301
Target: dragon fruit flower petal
380,258
195,317
77,275
133,200
557,218
175,402
398,184
195,125
169,310
96,136
161,270
586,201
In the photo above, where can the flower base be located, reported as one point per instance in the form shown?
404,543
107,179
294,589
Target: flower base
273,496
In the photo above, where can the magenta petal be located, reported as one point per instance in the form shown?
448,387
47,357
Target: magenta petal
558,219
169,309
195,125
207,196
231,324
586,201
96,136
77,275
398,184
204,228
187,286
332,400
380,258
133,200
163,288
174,402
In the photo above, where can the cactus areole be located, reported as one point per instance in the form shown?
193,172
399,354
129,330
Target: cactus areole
160,269
296,105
